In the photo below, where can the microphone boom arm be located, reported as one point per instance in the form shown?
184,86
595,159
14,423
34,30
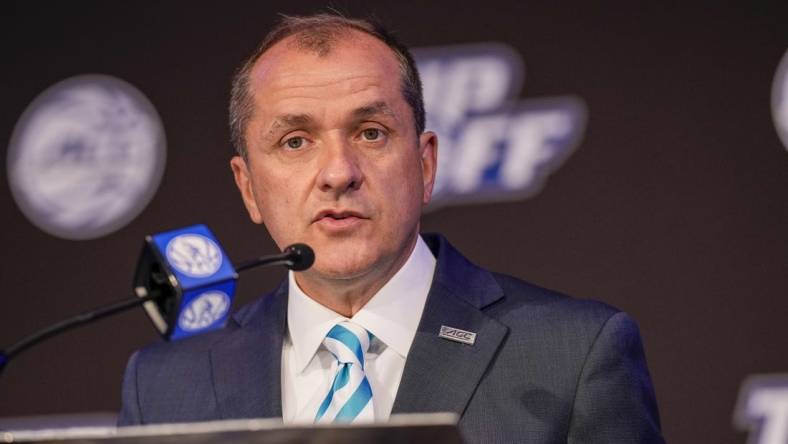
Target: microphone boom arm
69,323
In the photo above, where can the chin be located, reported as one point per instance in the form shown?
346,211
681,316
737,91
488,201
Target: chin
341,265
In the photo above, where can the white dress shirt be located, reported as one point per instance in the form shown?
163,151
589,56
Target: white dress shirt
392,315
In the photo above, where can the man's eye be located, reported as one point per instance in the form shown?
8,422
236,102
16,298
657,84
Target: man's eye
295,142
371,134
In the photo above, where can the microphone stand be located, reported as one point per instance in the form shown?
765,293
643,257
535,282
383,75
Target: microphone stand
72,322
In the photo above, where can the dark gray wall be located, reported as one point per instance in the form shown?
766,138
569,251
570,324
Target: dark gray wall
673,208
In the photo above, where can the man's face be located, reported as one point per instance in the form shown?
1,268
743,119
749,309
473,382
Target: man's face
334,160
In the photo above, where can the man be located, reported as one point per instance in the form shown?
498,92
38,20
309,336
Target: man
328,120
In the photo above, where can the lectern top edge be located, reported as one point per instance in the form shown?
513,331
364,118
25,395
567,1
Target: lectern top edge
441,423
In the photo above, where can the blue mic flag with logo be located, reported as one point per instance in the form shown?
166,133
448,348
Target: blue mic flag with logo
190,264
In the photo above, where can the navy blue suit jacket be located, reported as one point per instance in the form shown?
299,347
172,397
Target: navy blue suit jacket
545,368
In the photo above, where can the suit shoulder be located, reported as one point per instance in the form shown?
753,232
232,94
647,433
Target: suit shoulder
536,316
162,351
521,297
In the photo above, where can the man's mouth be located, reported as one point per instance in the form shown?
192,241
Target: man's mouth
338,214
338,220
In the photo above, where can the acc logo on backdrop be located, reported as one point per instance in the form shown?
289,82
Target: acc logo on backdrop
86,157
762,408
780,100
491,145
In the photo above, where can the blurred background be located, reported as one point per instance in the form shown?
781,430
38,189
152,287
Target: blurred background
621,152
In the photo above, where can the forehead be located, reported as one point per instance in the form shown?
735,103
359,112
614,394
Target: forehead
356,65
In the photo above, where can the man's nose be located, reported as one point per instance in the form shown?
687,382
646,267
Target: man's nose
340,170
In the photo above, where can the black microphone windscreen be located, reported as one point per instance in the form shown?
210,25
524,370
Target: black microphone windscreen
300,256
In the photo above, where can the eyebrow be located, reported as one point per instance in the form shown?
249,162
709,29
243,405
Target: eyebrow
288,121
373,109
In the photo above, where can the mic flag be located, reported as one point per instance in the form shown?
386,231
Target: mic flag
192,278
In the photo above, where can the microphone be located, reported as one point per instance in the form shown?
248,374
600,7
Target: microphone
184,281
300,257
296,257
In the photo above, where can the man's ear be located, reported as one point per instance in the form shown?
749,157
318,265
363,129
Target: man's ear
428,147
243,180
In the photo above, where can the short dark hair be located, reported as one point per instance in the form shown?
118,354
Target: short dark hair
318,33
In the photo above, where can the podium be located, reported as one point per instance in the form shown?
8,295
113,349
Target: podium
428,428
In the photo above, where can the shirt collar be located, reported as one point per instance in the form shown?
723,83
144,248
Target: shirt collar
392,315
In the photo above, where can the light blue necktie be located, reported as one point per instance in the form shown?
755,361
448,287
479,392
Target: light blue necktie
349,398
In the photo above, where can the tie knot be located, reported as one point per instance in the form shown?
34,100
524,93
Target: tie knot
348,342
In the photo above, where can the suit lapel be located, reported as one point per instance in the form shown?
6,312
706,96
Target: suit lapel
441,375
247,363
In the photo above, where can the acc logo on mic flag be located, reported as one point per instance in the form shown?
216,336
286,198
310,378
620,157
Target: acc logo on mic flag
492,146
86,157
194,255
204,311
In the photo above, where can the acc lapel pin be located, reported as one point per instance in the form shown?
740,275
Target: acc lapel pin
457,335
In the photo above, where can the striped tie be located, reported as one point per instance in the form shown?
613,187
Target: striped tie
350,397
